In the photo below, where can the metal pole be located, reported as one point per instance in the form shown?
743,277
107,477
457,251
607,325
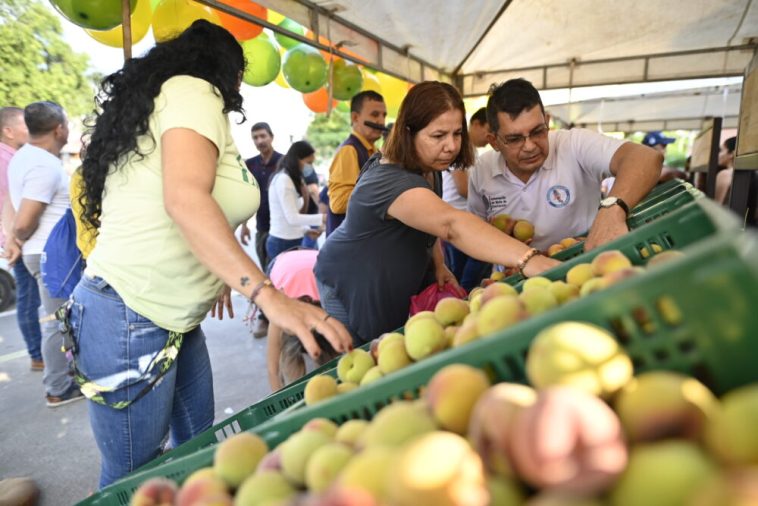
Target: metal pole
126,25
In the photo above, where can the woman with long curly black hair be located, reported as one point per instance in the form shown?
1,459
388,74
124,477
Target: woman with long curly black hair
165,187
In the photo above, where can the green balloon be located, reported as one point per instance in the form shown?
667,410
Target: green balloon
263,61
292,26
304,68
343,107
92,14
347,80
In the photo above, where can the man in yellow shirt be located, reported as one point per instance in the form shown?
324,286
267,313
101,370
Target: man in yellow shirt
366,106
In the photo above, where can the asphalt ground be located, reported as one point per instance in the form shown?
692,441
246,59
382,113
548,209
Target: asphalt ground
56,447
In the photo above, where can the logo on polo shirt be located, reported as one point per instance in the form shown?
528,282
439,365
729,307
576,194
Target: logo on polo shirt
494,202
558,196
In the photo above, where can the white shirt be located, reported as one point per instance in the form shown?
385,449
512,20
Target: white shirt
36,174
560,199
284,203
450,191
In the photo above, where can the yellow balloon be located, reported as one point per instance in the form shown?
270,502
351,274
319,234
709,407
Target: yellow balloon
274,17
172,17
393,91
370,82
141,17
280,80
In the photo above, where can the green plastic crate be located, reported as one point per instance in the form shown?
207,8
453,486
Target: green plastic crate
672,230
681,228
249,417
664,187
644,213
713,288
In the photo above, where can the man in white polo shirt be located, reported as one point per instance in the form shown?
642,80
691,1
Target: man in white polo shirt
38,189
552,178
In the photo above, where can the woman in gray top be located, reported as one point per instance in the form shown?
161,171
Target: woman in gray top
381,255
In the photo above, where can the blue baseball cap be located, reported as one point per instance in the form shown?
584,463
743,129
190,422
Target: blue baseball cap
656,138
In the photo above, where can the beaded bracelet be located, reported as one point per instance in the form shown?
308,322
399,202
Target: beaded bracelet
257,290
532,252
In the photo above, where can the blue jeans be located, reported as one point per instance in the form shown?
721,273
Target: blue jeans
275,245
27,309
114,345
334,308
467,270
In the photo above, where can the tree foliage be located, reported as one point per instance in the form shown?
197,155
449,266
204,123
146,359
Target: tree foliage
326,134
37,64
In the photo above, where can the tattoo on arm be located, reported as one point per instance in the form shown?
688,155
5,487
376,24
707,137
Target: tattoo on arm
244,281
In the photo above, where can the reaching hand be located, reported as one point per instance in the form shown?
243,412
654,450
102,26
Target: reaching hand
609,224
444,276
11,251
244,234
224,300
301,319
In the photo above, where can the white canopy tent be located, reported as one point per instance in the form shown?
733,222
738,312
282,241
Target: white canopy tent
552,43
678,110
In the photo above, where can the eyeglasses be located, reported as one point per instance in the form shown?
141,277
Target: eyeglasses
517,141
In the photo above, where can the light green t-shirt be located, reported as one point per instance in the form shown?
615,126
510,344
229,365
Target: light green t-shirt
140,250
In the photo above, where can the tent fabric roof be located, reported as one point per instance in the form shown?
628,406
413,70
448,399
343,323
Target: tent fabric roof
679,110
553,43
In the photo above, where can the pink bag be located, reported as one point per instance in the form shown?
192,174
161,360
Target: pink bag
429,296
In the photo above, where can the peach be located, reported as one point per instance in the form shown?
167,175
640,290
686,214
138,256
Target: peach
499,313
237,458
272,461
665,473
491,424
731,434
579,274
424,338
538,300
264,488
201,489
372,375
735,487
368,471
387,338
503,222
662,404
397,424
202,473
563,291
559,499
466,333
325,464
350,431
620,275
421,315
497,276
393,356
523,230
592,286
324,425
554,249
568,242
438,469
297,450
451,311
353,365
568,441
578,354
452,393
496,290
155,492
474,292
319,388
535,282
609,261
345,387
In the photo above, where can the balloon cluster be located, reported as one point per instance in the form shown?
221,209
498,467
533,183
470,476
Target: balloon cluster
281,59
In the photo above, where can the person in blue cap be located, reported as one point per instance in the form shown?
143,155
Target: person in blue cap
658,142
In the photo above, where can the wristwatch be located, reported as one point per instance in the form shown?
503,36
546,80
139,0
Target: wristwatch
612,201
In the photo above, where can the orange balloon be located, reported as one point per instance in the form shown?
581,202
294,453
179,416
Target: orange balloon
241,28
318,100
